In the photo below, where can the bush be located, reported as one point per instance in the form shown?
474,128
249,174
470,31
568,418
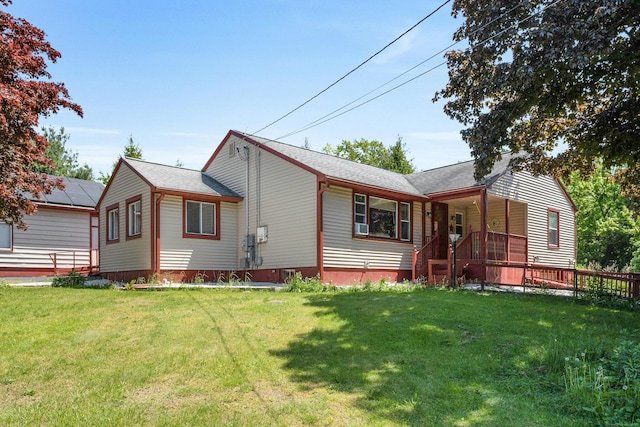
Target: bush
71,280
609,392
308,284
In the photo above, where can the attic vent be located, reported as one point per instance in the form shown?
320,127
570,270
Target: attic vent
232,149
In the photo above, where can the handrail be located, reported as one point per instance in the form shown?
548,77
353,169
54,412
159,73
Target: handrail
74,262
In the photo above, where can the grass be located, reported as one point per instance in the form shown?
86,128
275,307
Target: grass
230,358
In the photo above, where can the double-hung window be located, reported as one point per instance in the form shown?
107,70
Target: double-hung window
113,226
553,220
200,219
134,217
6,236
459,224
379,217
405,221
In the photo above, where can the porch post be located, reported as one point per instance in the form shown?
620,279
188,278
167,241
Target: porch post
507,209
483,237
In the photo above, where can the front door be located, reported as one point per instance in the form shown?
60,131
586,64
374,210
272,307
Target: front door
439,224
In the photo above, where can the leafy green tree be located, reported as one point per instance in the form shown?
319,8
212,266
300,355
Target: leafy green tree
608,234
131,150
374,153
64,162
538,72
26,94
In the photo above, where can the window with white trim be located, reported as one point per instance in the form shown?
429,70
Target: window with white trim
378,217
112,225
405,221
459,224
6,236
134,218
554,227
200,218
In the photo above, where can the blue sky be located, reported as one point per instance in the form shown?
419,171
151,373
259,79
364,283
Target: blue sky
176,76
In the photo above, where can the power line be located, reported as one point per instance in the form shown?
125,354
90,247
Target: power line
353,70
332,115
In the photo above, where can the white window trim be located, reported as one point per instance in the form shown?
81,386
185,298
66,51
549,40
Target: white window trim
407,221
556,229
113,226
134,210
9,227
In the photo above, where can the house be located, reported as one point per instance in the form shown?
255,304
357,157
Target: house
61,237
271,209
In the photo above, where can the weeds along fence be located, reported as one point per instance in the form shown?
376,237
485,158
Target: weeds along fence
619,285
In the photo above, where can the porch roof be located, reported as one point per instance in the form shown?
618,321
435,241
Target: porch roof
173,178
456,177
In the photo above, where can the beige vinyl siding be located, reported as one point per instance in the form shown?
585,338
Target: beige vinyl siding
541,194
342,250
518,218
417,223
178,253
282,197
285,203
126,255
63,232
230,171
427,225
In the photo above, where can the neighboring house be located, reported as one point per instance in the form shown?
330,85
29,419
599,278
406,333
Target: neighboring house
272,209
61,237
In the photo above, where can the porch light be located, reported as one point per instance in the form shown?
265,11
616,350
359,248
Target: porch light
454,239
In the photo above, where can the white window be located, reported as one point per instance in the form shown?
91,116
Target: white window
378,217
405,221
459,224
112,225
6,236
360,205
134,218
554,222
200,218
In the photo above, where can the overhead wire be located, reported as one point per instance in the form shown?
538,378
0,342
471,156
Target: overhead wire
354,69
331,116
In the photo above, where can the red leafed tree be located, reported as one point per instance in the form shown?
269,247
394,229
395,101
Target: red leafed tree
26,95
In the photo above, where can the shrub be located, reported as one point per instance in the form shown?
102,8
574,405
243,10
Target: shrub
610,391
308,284
71,280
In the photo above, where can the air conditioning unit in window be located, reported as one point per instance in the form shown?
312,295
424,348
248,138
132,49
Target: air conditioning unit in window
362,229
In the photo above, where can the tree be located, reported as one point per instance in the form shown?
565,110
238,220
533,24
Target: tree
374,153
131,150
540,72
25,96
608,234
65,162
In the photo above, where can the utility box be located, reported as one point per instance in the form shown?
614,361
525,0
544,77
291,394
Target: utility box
262,234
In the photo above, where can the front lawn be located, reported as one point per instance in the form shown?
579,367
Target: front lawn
231,358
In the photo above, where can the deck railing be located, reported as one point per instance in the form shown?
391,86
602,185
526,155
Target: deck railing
428,251
79,260
500,247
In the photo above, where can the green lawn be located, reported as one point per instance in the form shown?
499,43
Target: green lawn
225,358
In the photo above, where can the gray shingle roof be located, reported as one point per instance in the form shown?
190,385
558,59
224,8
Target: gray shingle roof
339,168
455,177
174,178
77,192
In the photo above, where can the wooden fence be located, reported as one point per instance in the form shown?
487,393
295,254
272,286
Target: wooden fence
620,285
